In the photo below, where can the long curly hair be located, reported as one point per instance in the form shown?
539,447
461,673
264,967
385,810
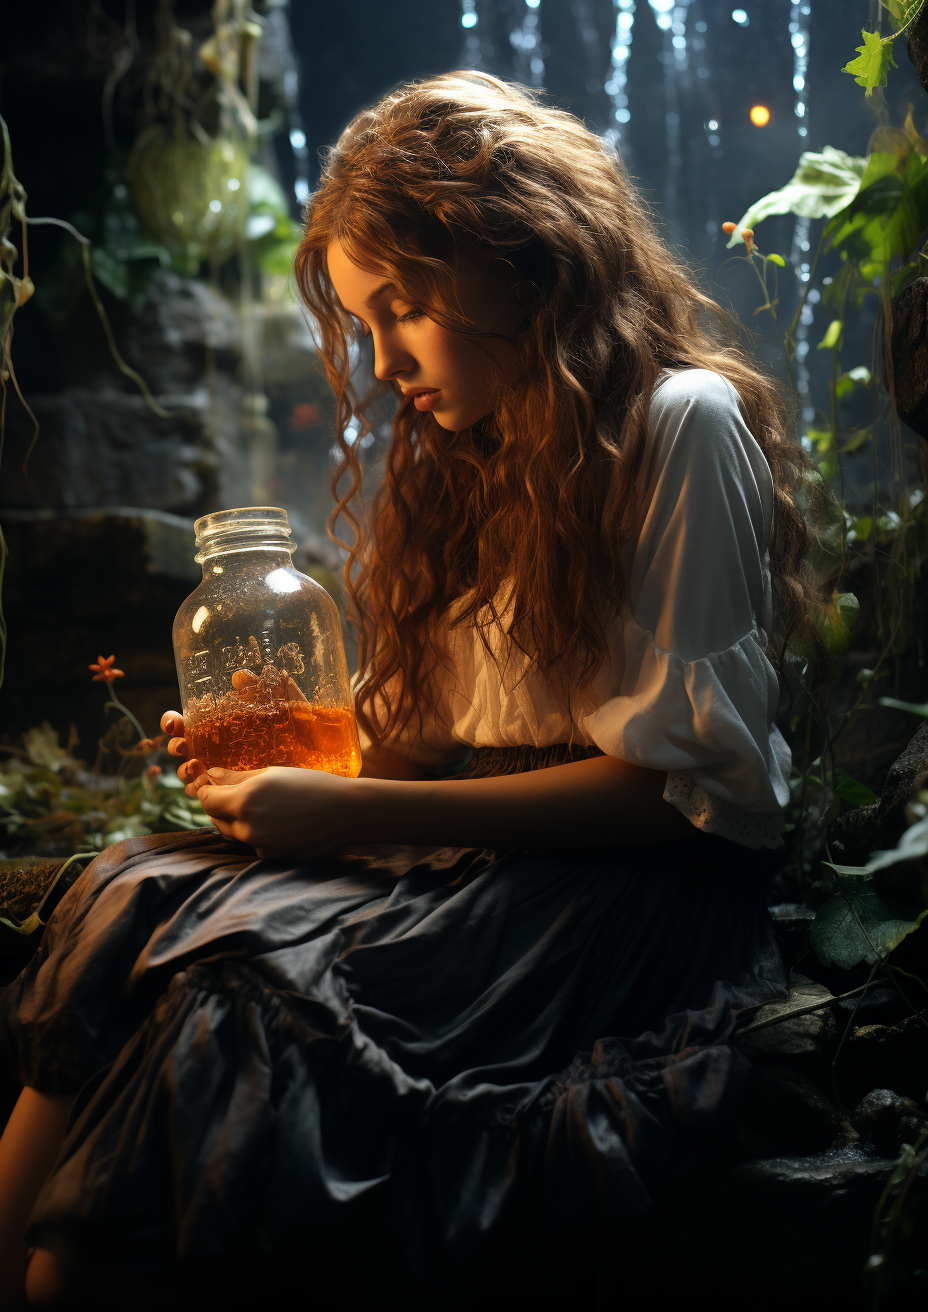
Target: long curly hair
540,495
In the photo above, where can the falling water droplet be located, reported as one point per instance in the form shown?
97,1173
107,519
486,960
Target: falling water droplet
528,52
799,35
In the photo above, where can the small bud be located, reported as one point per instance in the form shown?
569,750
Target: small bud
729,227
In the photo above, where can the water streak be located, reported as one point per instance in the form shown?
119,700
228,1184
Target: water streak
617,132
800,12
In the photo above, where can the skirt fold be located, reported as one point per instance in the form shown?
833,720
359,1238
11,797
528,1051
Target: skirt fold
433,1049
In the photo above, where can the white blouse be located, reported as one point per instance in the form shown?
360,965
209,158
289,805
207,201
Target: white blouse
688,687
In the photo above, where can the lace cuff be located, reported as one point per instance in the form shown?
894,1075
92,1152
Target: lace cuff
714,816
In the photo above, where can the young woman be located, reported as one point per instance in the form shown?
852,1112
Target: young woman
483,991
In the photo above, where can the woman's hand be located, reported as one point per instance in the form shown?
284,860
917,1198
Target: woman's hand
283,810
172,722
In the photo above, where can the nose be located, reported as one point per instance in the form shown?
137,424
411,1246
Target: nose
390,358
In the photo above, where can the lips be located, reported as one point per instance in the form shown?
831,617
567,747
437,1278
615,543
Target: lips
424,398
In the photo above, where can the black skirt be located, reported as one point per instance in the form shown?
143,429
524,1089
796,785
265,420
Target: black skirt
420,1051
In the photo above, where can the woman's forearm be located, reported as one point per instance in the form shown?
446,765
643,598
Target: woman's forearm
600,802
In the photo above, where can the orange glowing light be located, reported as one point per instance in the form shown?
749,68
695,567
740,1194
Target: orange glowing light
760,115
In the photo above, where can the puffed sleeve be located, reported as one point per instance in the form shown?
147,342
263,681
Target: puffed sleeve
694,692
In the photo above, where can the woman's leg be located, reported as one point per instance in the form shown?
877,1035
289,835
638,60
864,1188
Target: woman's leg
30,1143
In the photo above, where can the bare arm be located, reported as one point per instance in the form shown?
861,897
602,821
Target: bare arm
601,802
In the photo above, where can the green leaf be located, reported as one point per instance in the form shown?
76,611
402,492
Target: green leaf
854,442
111,272
777,259
905,276
861,528
836,935
277,257
902,11
822,186
846,383
852,792
125,827
890,211
821,439
871,69
181,817
832,336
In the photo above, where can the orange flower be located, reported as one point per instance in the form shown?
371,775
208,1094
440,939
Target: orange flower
104,670
729,228
152,772
145,746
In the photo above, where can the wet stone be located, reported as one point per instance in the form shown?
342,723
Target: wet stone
798,1038
876,1117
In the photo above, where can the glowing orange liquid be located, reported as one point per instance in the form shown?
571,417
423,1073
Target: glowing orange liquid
242,737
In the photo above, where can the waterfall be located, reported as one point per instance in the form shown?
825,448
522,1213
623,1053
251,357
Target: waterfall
617,133
800,11
476,55
525,39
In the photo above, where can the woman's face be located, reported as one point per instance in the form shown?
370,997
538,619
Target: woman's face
416,353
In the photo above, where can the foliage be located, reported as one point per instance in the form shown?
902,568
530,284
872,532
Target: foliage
49,802
822,185
875,57
897,1264
272,233
859,924
875,215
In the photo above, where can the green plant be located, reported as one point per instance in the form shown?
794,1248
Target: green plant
875,57
51,805
896,1265
874,214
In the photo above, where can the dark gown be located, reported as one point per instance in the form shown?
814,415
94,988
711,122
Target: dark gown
420,1051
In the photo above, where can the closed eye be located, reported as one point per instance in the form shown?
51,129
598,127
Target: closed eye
411,314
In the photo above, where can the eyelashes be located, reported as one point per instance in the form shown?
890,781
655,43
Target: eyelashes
409,317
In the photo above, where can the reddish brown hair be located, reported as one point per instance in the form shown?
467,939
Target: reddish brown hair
541,493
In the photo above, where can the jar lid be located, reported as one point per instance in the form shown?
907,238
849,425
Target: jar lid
250,528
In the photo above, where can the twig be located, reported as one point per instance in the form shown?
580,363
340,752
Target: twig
800,1011
104,320
898,987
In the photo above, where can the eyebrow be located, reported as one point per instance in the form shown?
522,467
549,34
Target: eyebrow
379,291
376,294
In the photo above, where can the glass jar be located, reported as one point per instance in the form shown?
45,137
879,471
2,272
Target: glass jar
260,658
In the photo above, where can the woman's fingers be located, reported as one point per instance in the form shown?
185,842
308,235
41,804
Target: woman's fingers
217,799
190,772
215,775
172,722
180,747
